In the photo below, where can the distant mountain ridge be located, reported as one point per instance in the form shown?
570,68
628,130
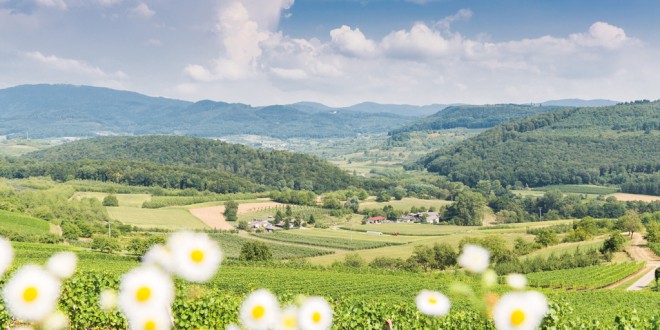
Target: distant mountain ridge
578,103
44,111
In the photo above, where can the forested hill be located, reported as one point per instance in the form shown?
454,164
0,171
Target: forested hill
612,144
45,111
474,116
273,169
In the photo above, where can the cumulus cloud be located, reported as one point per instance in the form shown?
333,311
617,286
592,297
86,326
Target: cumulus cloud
142,10
602,34
352,42
419,42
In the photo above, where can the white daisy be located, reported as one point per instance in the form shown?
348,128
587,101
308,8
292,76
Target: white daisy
6,255
196,255
31,294
489,278
520,311
143,288
516,281
62,265
432,303
159,255
150,319
260,310
108,300
232,327
315,314
474,258
288,319
56,321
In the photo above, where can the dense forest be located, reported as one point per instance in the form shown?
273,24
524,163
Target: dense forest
474,116
607,145
180,162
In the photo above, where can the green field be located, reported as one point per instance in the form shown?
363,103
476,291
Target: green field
167,218
330,242
563,248
579,189
591,277
231,247
23,224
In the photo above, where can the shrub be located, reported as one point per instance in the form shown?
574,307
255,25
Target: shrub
110,200
255,251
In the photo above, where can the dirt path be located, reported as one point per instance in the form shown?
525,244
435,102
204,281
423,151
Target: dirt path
213,216
639,252
622,197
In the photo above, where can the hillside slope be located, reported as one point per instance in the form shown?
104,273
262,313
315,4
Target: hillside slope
44,111
585,145
278,169
474,116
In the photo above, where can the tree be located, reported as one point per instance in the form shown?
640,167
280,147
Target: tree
353,204
288,211
423,255
70,230
279,216
354,260
399,193
546,237
444,256
231,210
613,244
331,202
243,225
105,244
255,251
383,196
468,210
110,200
287,223
653,232
630,222
311,219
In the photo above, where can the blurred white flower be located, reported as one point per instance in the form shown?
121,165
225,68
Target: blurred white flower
288,319
31,294
150,319
520,311
160,255
489,278
145,288
62,265
56,321
6,255
108,300
474,258
260,310
232,327
516,281
196,255
22,327
432,303
315,314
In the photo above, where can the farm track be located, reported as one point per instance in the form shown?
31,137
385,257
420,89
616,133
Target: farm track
639,252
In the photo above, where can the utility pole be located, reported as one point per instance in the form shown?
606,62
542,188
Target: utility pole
540,213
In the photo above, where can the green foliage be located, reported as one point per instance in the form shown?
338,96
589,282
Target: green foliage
568,260
139,246
354,260
630,222
438,256
110,200
331,242
288,196
232,244
231,210
564,147
255,251
383,196
546,238
70,230
105,244
468,209
22,224
183,162
591,277
613,244
164,201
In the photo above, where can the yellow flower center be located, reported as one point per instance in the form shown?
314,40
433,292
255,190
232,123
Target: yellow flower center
258,312
517,317
432,301
143,294
290,322
150,325
197,256
316,317
30,294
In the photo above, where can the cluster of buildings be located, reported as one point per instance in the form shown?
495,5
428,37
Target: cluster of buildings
431,217
267,225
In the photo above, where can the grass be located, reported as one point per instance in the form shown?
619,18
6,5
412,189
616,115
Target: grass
127,200
579,189
23,224
405,204
167,218
35,253
330,242
567,248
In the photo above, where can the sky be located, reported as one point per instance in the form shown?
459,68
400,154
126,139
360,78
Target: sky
338,52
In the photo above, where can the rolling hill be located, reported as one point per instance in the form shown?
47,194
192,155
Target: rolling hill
44,111
473,116
614,144
185,162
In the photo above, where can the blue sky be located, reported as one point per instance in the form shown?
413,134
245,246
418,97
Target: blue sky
338,52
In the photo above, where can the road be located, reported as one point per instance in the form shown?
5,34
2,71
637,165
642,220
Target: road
640,252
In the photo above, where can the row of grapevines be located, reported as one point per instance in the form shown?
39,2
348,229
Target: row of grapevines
331,242
584,278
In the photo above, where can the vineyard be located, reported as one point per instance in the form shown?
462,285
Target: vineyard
231,246
591,277
330,242
164,201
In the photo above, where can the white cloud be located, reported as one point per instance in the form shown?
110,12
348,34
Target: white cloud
142,10
73,66
352,42
59,4
418,42
602,34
